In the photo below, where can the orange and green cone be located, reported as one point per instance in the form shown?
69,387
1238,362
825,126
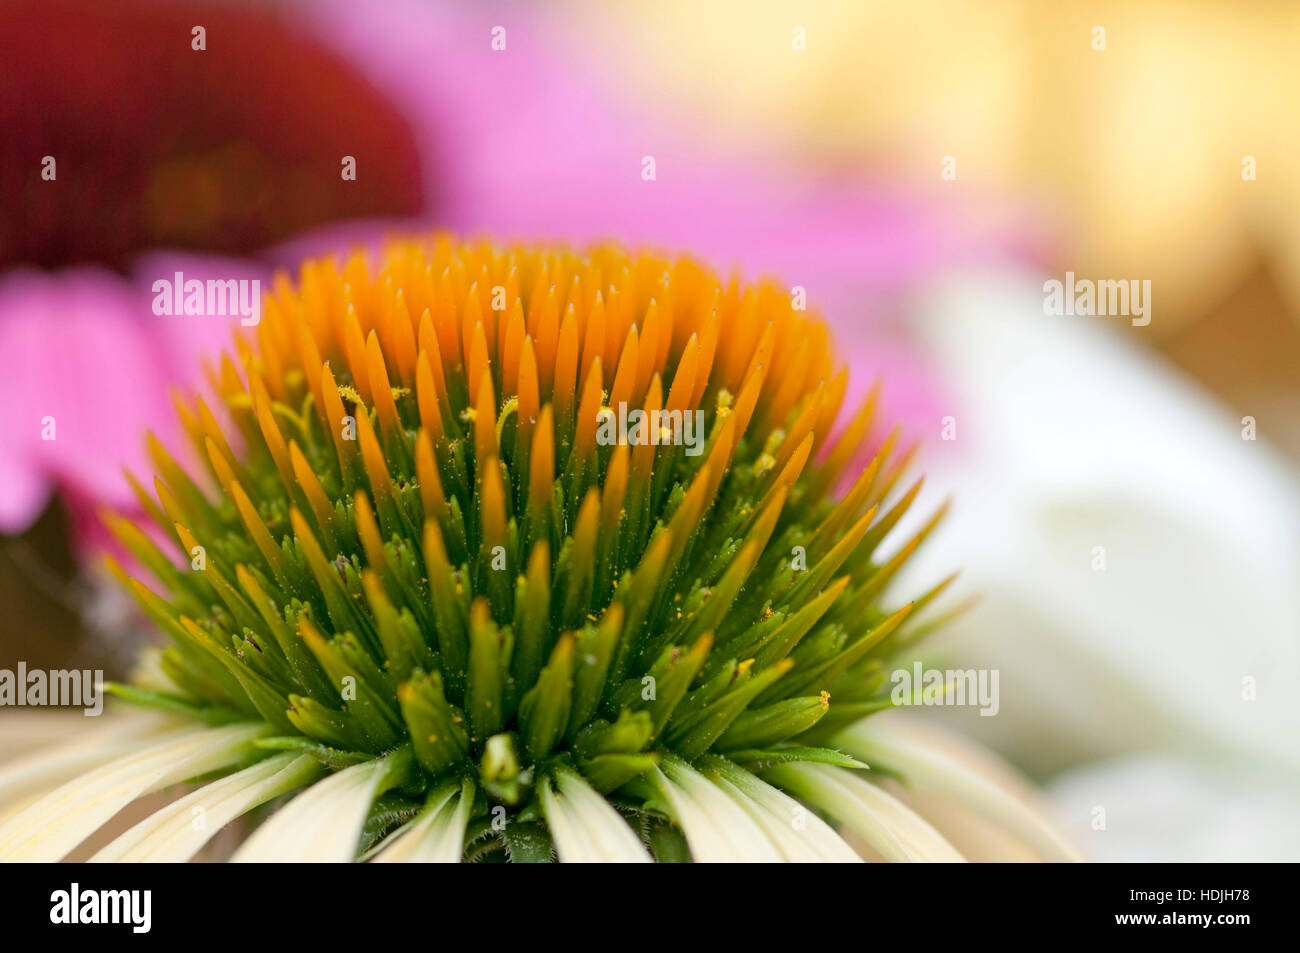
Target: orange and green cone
413,575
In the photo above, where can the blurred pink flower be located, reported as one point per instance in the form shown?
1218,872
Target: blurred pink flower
525,143
54,329
88,367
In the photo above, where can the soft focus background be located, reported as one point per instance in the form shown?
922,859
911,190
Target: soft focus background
920,167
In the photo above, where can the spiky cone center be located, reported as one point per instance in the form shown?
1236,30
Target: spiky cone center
424,533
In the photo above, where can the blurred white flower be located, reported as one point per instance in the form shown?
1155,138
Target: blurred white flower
1138,559
1166,808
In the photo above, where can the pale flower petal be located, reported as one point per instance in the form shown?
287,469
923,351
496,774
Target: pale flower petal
323,824
890,827
717,829
583,826
437,835
113,736
58,822
179,831
801,835
931,760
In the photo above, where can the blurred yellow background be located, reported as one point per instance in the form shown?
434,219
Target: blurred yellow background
1127,160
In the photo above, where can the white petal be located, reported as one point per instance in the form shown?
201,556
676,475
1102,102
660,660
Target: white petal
172,834
802,836
323,824
25,732
108,738
58,822
1168,808
437,835
889,826
717,829
1104,663
584,827
930,760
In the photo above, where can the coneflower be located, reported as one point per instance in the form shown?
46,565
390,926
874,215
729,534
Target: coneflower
419,582
122,135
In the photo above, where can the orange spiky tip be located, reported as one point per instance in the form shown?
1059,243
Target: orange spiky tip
519,507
